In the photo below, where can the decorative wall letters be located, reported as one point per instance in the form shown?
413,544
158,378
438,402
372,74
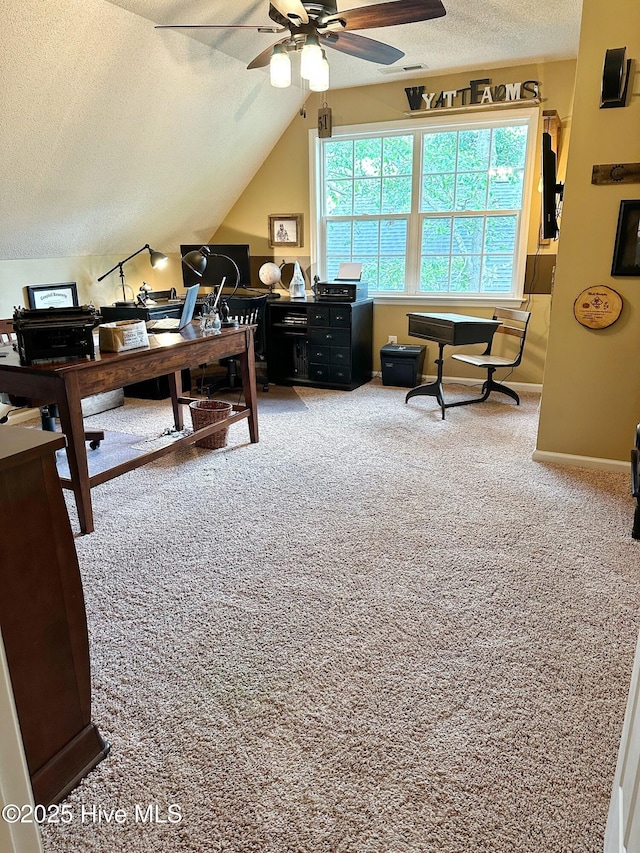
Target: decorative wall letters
478,93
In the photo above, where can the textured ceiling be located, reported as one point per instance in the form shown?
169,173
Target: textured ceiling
115,134
473,33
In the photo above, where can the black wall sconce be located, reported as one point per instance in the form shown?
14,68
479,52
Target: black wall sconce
615,78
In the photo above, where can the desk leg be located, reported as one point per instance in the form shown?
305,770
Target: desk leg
71,422
432,389
175,389
248,373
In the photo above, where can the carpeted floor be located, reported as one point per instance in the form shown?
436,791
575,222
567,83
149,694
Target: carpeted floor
373,632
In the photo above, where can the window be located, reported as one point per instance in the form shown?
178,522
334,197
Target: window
438,209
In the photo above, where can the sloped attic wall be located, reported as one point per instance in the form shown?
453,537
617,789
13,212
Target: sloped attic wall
114,135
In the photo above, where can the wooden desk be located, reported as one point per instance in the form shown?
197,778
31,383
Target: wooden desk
42,617
66,383
453,330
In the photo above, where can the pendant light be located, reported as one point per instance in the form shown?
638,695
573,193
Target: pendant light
280,68
311,58
320,81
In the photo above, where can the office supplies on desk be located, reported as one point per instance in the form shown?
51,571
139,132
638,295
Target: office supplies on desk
347,286
122,335
54,333
175,324
341,291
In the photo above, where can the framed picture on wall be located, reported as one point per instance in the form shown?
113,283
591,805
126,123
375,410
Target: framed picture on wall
63,295
626,252
285,229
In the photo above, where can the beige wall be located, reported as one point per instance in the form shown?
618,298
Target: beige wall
16,275
591,397
282,186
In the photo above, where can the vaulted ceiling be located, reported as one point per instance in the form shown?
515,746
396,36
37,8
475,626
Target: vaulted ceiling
115,134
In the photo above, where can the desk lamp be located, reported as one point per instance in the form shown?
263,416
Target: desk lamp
157,259
197,261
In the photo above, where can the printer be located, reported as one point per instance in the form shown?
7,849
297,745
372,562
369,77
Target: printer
346,287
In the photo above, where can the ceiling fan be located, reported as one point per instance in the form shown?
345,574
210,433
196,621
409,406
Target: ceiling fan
316,24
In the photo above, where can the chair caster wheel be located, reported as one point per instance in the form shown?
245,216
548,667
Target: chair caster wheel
94,445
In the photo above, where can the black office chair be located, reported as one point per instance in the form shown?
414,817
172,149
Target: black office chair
513,325
49,411
250,310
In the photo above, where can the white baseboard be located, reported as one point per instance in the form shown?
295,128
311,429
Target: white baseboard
523,387
572,460
465,380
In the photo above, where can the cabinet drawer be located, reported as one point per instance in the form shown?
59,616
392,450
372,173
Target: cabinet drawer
340,373
319,315
340,315
319,372
319,354
340,355
336,373
334,337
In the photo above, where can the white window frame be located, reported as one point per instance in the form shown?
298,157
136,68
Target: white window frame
457,121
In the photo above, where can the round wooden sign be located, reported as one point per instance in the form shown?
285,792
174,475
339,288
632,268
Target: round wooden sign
597,307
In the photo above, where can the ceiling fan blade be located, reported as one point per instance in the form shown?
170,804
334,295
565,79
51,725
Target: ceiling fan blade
293,10
362,47
218,27
263,58
389,14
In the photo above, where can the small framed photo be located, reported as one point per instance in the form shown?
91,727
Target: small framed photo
626,253
285,229
63,295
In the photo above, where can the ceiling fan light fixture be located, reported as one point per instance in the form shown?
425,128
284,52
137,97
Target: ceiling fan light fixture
280,68
320,82
311,58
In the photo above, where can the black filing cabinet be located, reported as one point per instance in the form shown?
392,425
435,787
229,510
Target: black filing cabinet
320,343
402,364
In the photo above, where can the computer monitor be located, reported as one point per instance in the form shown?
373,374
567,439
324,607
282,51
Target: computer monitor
219,267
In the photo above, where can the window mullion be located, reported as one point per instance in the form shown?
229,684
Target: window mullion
414,224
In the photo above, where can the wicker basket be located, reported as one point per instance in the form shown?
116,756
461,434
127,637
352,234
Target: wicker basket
206,412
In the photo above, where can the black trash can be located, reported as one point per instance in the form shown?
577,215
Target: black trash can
402,364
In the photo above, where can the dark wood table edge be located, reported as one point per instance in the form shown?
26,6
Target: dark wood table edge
62,381
59,776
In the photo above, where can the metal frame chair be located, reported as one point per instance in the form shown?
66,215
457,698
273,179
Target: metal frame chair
513,324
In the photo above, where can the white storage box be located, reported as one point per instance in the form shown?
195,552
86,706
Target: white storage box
123,335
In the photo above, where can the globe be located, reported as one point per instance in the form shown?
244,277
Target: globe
269,274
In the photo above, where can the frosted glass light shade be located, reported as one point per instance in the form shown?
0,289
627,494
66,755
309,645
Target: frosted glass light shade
320,82
311,58
280,68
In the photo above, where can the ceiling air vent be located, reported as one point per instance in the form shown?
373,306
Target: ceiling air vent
404,69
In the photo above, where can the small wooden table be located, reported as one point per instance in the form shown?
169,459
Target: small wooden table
65,383
42,617
448,329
